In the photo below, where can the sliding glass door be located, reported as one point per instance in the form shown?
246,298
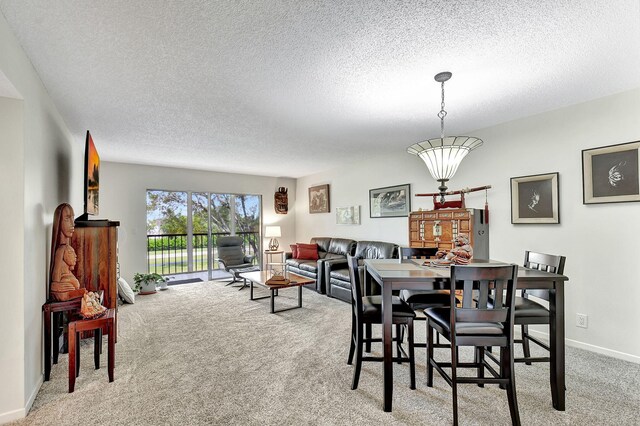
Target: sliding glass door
183,227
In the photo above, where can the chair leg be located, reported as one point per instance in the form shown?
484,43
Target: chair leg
359,350
454,382
352,345
412,358
398,343
368,329
429,354
525,342
506,359
480,360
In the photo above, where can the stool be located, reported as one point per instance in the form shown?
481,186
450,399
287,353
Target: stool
237,271
54,309
75,328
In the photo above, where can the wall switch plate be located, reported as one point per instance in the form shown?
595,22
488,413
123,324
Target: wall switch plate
582,320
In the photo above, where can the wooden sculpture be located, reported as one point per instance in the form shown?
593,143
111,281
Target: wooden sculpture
281,201
63,285
458,255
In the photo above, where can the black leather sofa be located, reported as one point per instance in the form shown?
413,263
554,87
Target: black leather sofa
328,249
336,271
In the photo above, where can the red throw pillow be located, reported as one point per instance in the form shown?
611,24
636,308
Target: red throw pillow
294,251
307,251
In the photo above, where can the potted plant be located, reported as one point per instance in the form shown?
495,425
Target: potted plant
146,283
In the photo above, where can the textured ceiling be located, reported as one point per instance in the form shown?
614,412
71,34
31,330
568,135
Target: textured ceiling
293,87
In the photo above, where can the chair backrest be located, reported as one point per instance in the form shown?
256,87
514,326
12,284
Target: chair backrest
230,250
479,284
543,262
417,252
355,274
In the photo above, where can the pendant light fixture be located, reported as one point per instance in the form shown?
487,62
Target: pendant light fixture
443,155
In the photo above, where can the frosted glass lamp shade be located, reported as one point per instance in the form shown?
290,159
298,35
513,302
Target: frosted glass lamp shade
443,155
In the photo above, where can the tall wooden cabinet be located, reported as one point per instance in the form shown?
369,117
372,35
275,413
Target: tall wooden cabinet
96,246
451,223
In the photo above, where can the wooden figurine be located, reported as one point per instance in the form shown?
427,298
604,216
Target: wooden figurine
63,285
281,201
460,254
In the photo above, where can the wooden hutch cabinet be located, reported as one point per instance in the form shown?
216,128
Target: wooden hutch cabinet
96,245
451,223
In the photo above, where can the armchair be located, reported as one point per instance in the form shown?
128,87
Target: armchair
232,258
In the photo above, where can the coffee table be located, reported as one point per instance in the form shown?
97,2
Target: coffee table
260,278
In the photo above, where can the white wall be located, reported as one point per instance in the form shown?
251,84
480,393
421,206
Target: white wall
11,257
598,240
49,161
123,197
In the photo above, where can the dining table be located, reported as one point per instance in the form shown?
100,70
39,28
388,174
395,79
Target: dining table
415,274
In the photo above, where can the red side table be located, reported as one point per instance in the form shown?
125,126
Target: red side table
105,322
53,309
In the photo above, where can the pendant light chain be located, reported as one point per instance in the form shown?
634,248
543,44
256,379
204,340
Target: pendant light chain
442,114
442,156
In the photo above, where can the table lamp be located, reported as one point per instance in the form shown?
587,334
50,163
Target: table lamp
272,232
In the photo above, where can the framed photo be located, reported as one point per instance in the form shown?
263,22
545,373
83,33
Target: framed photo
348,215
534,199
391,201
610,174
319,199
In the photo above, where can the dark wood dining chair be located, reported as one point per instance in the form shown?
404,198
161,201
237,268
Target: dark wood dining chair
422,299
368,310
528,311
479,324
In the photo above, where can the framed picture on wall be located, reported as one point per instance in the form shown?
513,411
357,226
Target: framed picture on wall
319,199
348,215
390,201
534,199
610,174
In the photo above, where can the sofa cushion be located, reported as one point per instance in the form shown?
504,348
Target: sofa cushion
308,265
307,251
294,251
376,250
340,246
293,262
330,256
322,242
335,282
341,274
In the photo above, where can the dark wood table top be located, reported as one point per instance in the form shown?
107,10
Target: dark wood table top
261,277
412,269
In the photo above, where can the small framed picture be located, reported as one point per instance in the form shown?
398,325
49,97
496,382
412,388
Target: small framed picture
610,174
348,215
319,199
534,199
390,201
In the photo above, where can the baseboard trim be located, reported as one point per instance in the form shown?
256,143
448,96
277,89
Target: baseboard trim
33,395
592,348
22,412
11,416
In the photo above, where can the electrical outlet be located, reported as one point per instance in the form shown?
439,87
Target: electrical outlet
582,320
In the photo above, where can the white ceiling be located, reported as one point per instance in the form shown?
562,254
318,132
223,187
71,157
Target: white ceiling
293,87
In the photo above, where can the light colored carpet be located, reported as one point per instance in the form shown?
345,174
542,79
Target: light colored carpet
203,353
